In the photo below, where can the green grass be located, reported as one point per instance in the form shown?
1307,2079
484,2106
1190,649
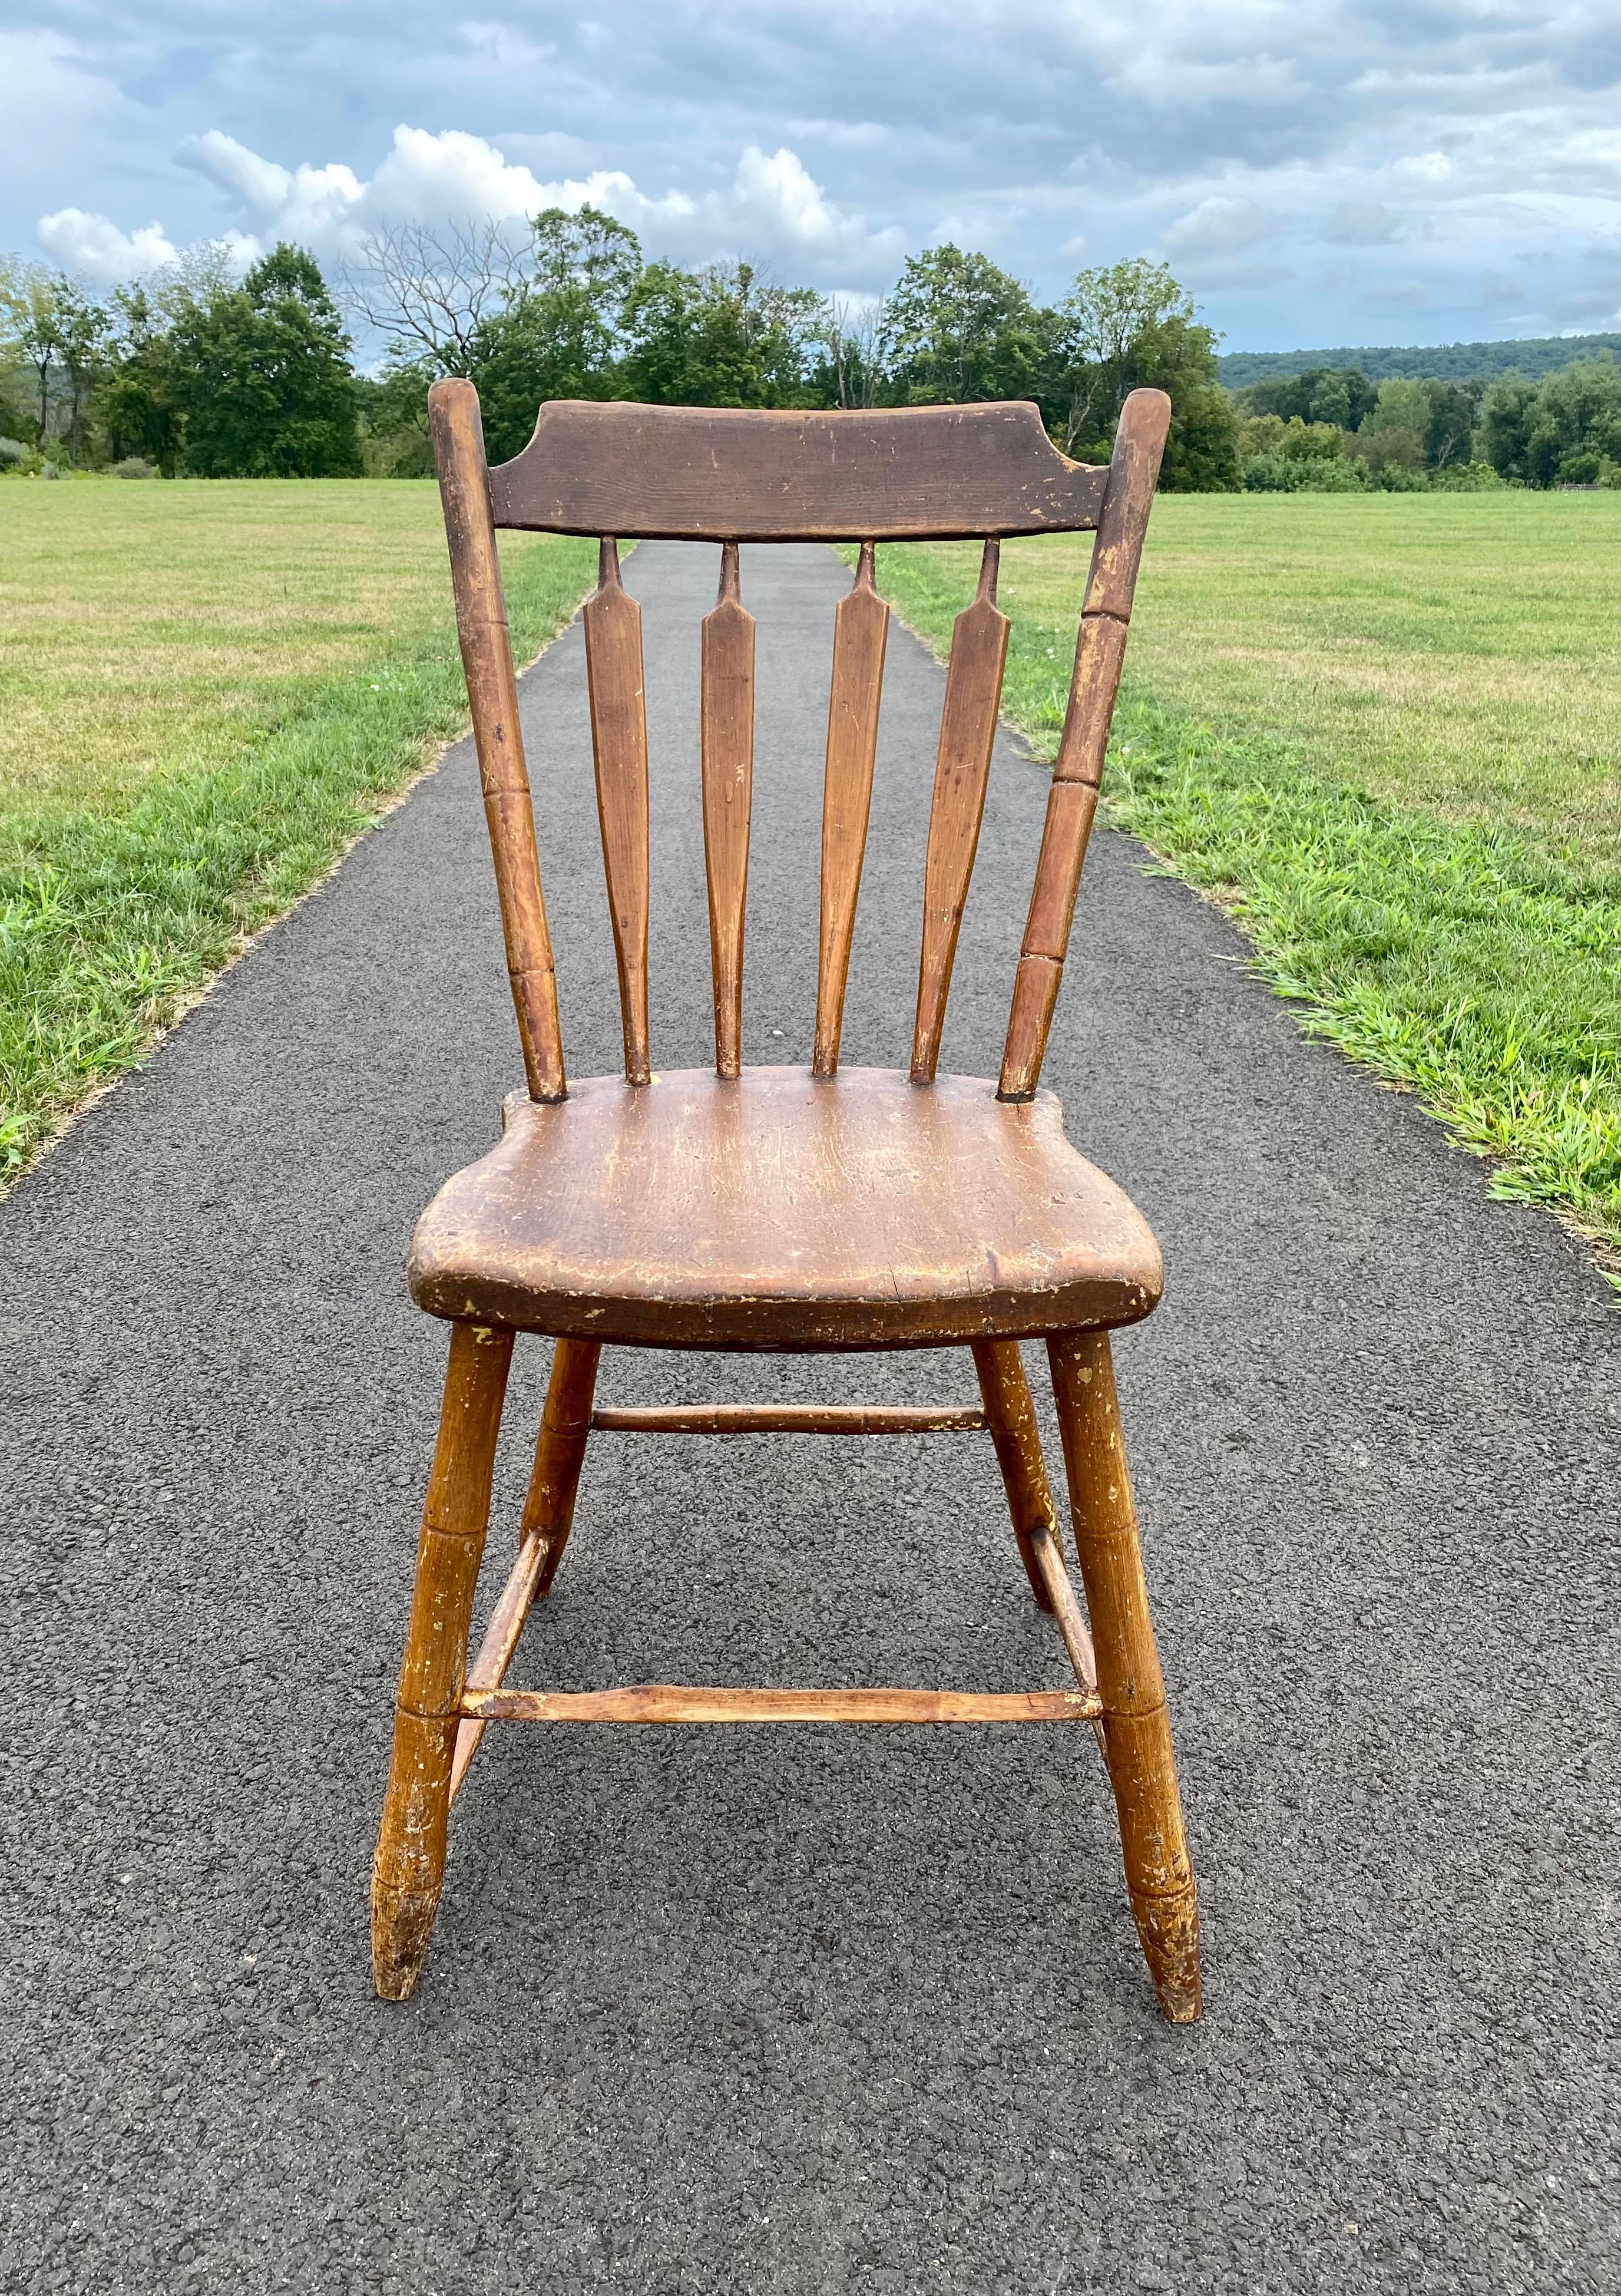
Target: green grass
1385,733
207,692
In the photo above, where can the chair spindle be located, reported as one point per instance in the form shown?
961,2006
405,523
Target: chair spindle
968,733
1077,776
619,739
861,629
728,784
492,689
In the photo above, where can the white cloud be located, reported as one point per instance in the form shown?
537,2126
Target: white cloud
1218,225
89,243
773,205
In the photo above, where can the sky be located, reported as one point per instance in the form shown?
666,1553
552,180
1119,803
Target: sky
1399,171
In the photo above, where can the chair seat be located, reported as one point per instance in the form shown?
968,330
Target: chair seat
777,1210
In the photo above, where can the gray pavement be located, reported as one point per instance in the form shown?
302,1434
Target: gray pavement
796,2010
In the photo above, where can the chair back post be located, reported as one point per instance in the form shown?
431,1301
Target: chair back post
492,691
1078,773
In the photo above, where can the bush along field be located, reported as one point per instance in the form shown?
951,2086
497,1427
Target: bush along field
1385,733
206,694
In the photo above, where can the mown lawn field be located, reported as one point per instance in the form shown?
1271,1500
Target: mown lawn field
1385,731
206,693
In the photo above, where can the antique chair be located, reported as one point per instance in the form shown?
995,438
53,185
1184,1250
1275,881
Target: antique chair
786,1209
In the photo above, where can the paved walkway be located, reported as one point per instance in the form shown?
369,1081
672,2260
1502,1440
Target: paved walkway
788,2010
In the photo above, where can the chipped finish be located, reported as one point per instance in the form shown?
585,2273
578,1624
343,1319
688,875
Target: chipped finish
410,1862
619,742
1099,649
778,1211
548,1515
492,693
669,1702
728,786
733,474
861,629
1136,1722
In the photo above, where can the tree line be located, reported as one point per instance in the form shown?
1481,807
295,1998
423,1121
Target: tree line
193,372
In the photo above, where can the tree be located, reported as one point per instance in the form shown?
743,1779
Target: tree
138,400
956,329
1342,396
29,300
262,377
82,328
851,374
723,337
1454,409
1125,328
1392,438
560,329
428,291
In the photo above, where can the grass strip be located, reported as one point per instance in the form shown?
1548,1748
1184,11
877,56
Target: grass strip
112,919
1456,958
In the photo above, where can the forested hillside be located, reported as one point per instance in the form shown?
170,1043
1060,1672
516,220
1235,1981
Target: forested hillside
1534,356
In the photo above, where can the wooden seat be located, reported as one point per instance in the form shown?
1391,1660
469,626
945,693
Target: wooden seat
778,1209
819,1209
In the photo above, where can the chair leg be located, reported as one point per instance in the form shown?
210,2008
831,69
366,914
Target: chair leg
1136,1721
410,1862
1011,1413
565,1428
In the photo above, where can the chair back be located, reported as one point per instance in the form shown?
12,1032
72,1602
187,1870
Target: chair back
628,473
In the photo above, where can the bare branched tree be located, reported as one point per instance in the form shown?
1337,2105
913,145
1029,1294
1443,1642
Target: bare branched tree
425,290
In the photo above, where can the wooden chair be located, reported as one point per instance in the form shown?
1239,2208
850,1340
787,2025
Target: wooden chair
786,1209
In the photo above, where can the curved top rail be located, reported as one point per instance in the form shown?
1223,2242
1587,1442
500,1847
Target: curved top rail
741,474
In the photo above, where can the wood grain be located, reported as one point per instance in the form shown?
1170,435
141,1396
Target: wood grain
671,1702
619,740
793,1419
861,629
548,1514
409,1867
1136,1722
730,474
968,734
492,693
1139,445
727,743
780,1211
1010,1414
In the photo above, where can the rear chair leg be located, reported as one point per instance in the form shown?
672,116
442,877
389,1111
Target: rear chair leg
548,1511
1011,1413
1136,1722
410,1863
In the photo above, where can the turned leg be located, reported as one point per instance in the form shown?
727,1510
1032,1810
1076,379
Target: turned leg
1136,1722
548,1511
1012,1414
410,1862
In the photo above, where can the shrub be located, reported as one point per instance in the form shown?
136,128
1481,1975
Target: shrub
1282,473
1467,479
132,466
12,452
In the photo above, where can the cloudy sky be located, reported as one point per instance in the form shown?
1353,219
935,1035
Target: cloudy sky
1406,171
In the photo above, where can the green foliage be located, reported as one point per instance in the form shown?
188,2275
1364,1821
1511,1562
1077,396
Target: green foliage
956,328
1341,396
722,337
1482,362
262,377
558,334
1565,431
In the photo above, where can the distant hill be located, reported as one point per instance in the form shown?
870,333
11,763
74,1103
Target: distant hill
1535,354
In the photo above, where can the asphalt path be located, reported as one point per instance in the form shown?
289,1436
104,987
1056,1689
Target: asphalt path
798,2010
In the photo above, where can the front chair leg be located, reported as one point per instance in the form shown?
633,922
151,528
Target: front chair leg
1136,1721
410,1862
